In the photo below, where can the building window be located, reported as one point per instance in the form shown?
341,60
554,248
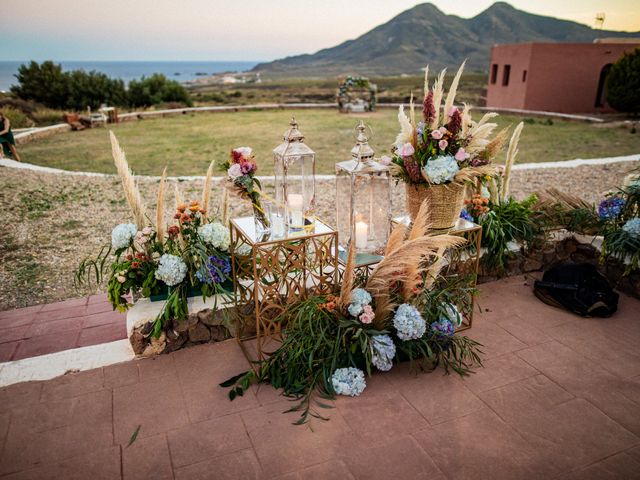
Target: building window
524,76
601,93
505,75
494,73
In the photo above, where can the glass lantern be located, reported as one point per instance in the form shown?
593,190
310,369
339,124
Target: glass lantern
363,199
295,171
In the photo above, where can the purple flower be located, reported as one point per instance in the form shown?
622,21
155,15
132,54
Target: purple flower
247,167
466,215
217,270
442,328
610,207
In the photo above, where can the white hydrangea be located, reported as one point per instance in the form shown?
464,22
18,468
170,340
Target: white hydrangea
453,314
409,323
348,381
216,235
243,250
441,169
383,352
171,269
122,235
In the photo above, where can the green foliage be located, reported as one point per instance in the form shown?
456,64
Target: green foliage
623,83
92,89
507,221
45,83
17,118
156,89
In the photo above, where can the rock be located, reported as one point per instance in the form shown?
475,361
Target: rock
531,265
156,346
138,342
204,316
513,266
214,317
199,333
182,326
587,250
549,256
219,333
175,340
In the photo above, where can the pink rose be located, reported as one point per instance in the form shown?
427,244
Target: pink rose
367,314
443,129
407,150
461,155
385,160
436,134
247,167
234,171
443,144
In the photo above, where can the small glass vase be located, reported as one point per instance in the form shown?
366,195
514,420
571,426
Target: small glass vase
261,218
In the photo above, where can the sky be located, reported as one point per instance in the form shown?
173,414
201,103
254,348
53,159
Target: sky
219,30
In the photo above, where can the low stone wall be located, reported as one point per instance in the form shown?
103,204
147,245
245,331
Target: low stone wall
44,132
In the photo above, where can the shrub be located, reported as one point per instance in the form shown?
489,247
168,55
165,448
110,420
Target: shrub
623,83
17,118
44,83
93,89
156,89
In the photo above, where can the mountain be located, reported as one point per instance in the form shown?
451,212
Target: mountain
424,34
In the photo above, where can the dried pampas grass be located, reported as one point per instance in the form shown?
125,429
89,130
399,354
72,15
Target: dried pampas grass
396,239
131,192
426,81
422,223
451,96
512,153
438,92
206,189
225,206
406,130
160,230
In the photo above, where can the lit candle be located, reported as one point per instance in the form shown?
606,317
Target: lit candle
295,205
362,232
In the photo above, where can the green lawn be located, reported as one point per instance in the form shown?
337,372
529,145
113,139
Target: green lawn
188,143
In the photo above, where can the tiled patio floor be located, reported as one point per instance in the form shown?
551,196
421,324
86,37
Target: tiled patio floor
559,397
42,329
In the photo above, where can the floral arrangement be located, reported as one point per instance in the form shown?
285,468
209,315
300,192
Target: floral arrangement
445,145
404,311
349,84
241,180
176,261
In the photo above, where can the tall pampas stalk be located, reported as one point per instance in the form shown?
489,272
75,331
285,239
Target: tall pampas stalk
451,96
206,189
466,120
131,192
426,80
225,206
396,239
347,278
160,226
412,111
406,130
422,223
512,153
438,92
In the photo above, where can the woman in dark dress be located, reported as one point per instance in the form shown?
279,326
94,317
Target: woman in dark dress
6,137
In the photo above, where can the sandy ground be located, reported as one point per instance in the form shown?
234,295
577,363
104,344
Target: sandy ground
53,221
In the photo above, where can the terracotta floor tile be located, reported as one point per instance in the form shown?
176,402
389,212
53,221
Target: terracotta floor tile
5,418
73,385
102,334
155,406
282,447
155,368
616,467
13,334
45,344
481,445
67,312
238,465
64,305
401,458
98,298
634,453
97,465
495,340
499,371
394,416
100,307
437,397
534,407
331,470
19,312
19,394
121,374
147,459
197,442
19,319
7,350
523,330
55,326
104,318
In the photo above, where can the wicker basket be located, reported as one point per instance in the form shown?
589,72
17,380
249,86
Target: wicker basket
446,203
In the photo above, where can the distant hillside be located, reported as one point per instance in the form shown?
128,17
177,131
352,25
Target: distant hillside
424,35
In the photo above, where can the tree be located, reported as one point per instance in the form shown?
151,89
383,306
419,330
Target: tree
156,89
93,89
623,83
43,83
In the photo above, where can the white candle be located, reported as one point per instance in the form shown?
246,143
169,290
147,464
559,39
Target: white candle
277,226
362,232
295,205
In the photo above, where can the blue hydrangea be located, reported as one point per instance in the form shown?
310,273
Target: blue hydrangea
122,235
216,235
453,314
348,381
442,328
466,215
441,169
409,323
383,351
610,207
171,269
217,270
359,298
632,227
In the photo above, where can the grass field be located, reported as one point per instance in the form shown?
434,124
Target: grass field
188,143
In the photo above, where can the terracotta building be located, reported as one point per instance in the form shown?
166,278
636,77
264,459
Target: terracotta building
553,77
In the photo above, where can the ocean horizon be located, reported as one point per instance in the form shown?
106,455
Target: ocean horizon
181,71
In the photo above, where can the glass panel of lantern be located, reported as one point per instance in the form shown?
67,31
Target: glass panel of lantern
363,200
295,170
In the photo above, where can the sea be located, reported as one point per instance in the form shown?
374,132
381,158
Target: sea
127,71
